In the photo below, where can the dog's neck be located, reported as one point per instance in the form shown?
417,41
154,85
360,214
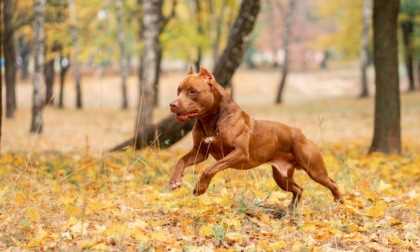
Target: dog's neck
224,104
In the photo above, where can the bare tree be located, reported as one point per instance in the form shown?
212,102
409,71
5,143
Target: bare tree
387,129
410,9
49,76
24,51
149,60
168,130
10,57
123,56
38,81
75,46
289,18
217,19
200,31
64,66
364,52
1,85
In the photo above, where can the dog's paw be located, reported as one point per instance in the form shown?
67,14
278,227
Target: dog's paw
174,185
198,190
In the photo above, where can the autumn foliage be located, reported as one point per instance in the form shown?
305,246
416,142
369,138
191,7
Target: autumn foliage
121,201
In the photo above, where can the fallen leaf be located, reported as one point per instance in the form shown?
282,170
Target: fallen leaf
234,237
377,210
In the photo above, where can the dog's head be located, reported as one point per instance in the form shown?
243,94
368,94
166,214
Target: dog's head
195,95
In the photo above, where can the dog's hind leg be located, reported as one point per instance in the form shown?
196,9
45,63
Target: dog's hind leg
283,175
309,158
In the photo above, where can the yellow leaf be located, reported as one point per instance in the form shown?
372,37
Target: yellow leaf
35,242
383,186
376,247
234,237
264,246
394,222
99,246
21,198
159,236
397,241
234,223
79,228
206,231
33,215
309,227
185,225
206,200
139,235
372,196
377,210
277,246
138,223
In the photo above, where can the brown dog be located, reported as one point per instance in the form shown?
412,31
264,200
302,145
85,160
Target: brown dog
237,141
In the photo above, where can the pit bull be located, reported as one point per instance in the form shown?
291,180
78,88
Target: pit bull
238,141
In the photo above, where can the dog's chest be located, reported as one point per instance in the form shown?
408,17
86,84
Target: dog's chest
209,140
214,145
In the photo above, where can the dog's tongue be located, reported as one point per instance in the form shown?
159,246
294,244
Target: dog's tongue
184,117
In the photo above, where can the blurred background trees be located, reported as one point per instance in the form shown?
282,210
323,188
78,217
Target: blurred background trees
101,37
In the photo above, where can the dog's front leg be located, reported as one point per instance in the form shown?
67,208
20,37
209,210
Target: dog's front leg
235,158
192,157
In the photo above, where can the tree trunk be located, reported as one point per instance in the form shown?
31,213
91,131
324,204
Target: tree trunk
64,66
218,21
25,50
239,37
123,56
364,50
200,32
10,58
418,72
157,77
1,90
49,82
37,102
151,20
408,33
286,40
387,129
75,47
168,130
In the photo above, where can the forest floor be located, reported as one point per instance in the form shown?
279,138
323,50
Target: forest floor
61,190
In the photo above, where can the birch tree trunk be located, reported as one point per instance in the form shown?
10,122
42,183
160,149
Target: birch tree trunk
286,41
169,130
364,52
123,56
38,80
75,52
387,129
147,79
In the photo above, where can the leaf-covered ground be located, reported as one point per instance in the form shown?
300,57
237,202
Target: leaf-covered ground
61,191
121,201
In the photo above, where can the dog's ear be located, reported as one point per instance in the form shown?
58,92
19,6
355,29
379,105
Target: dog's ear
190,70
206,74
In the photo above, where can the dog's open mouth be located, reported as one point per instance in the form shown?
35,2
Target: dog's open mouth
185,117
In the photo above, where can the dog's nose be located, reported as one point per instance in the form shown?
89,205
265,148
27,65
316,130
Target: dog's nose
174,105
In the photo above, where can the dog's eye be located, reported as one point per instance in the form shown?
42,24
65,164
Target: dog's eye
192,91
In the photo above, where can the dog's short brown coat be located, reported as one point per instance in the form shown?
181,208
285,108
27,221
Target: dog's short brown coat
238,141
